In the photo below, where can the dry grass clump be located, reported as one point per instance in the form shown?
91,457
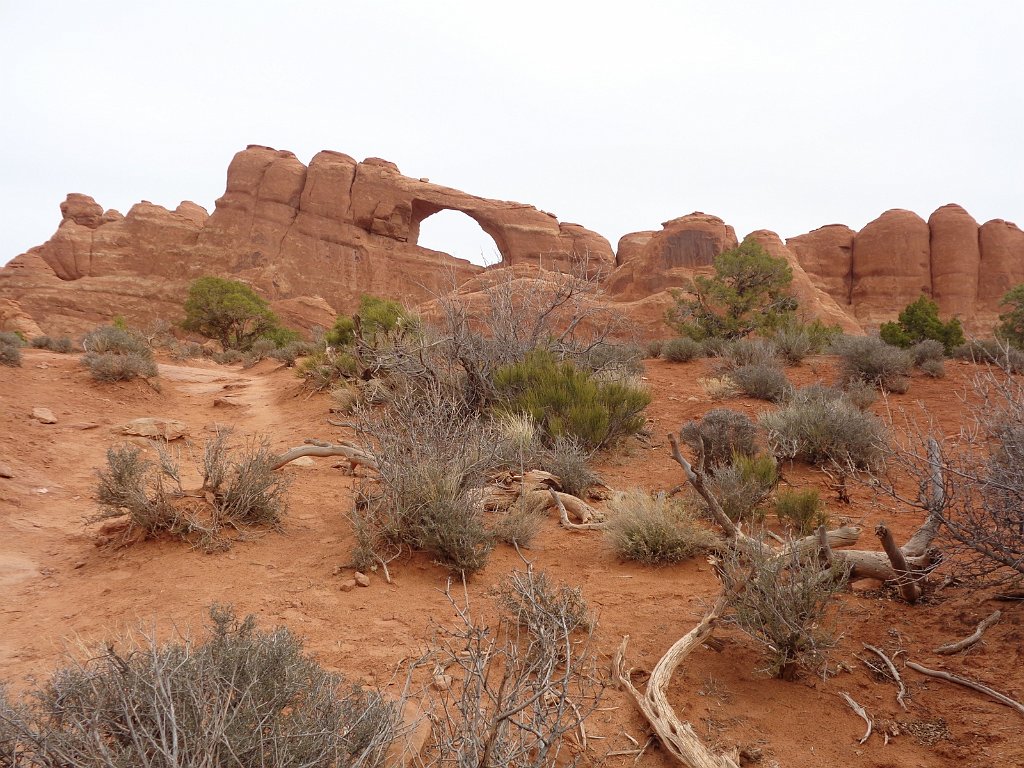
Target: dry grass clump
870,359
654,530
820,426
744,352
682,350
241,697
861,393
718,388
654,348
743,485
720,435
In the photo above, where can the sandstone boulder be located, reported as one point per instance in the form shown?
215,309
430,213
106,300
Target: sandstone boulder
891,265
1002,262
14,318
826,255
155,428
955,260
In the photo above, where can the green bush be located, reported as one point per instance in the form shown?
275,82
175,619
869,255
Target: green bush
748,292
325,369
10,349
654,348
803,511
232,313
870,359
719,436
375,318
820,425
795,340
115,340
654,530
566,401
920,321
239,697
682,350
764,382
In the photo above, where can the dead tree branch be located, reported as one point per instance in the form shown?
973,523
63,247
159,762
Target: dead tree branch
319,448
1001,698
860,711
892,671
967,642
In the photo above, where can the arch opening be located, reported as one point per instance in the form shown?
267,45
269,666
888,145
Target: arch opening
458,235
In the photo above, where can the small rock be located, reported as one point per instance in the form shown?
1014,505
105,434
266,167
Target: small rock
348,585
6,471
441,682
226,402
303,461
85,425
362,579
168,429
44,415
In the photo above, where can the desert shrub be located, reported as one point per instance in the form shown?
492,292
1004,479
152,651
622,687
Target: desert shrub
232,313
802,511
240,697
569,461
743,485
375,319
783,604
744,352
719,435
323,370
109,366
239,489
920,321
1000,353
793,344
820,425
655,347
610,361
654,530
229,357
682,350
936,369
861,393
63,345
10,349
714,346
12,338
764,382
519,524
749,291
566,401
116,340
926,350
188,350
870,359
344,399
432,454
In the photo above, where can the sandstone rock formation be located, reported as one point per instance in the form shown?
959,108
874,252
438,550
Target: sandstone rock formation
319,236
14,318
874,273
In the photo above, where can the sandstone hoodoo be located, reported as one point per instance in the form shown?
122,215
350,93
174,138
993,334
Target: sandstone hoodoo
312,239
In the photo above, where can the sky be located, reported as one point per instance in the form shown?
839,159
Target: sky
618,116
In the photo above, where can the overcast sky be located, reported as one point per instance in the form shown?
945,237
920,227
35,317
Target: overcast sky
617,116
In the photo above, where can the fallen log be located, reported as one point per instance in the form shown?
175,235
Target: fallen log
355,456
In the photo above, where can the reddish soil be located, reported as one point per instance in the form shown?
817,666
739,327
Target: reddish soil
58,587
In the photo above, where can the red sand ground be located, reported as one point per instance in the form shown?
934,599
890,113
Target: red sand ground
57,586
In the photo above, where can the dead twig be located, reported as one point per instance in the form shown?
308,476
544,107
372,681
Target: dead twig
1001,698
967,642
892,671
860,711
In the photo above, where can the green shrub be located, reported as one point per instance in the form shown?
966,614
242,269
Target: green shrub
802,511
10,349
654,530
232,313
682,350
720,435
375,319
748,292
820,425
742,486
764,382
654,348
870,359
240,697
115,340
920,321
566,401
795,340
324,370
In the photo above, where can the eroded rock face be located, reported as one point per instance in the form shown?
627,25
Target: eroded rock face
333,230
14,318
891,265
661,260
955,260
826,254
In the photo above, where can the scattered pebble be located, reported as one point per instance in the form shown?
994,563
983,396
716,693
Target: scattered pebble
44,415
348,585
6,471
362,579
